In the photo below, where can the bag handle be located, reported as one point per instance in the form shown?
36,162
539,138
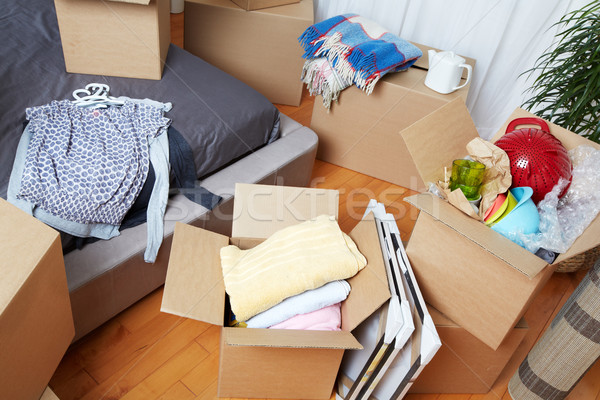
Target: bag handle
527,121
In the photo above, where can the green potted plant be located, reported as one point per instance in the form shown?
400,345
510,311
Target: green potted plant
567,90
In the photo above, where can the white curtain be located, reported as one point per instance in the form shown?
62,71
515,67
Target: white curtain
504,36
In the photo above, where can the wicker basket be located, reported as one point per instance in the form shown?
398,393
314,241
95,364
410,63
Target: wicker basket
583,260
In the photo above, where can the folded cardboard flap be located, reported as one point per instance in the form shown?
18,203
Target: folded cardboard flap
284,8
142,2
250,5
445,133
496,244
290,338
369,288
439,319
261,210
295,10
522,324
48,394
194,286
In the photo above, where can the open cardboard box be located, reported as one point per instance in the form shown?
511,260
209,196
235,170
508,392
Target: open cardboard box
128,38
271,363
464,364
364,133
478,278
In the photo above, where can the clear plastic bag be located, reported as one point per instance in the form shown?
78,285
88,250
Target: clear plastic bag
564,220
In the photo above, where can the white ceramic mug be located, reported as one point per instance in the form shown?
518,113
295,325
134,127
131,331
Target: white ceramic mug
445,71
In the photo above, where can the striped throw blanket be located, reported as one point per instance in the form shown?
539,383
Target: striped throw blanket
349,49
295,259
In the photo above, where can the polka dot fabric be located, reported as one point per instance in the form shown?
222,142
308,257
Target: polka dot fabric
88,165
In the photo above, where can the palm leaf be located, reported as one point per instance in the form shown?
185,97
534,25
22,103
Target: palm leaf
566,88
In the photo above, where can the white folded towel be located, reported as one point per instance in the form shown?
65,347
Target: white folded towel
308,301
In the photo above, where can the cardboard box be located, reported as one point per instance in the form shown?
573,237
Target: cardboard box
36,326
250,5
128,38
260,48
481,280
48,395
364,133
271,363
464,364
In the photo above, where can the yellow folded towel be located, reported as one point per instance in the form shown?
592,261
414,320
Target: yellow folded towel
291,261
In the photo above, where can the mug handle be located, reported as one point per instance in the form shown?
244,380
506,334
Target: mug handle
469,71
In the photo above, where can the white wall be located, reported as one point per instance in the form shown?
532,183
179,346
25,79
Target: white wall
504,36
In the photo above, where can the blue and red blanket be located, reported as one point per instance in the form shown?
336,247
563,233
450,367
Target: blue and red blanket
349,49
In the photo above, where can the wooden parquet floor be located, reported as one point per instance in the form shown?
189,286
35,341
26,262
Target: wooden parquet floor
145,354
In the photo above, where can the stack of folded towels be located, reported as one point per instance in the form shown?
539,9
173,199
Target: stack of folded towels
294,279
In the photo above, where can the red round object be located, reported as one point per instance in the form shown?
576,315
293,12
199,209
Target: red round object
537,159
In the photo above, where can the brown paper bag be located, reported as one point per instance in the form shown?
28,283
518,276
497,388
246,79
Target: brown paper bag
497,177
456,197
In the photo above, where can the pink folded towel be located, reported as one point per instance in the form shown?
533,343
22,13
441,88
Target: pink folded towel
325,319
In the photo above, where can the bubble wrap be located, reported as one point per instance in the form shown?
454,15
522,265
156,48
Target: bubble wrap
564,220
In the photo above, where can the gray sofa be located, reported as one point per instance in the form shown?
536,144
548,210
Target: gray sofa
231,129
